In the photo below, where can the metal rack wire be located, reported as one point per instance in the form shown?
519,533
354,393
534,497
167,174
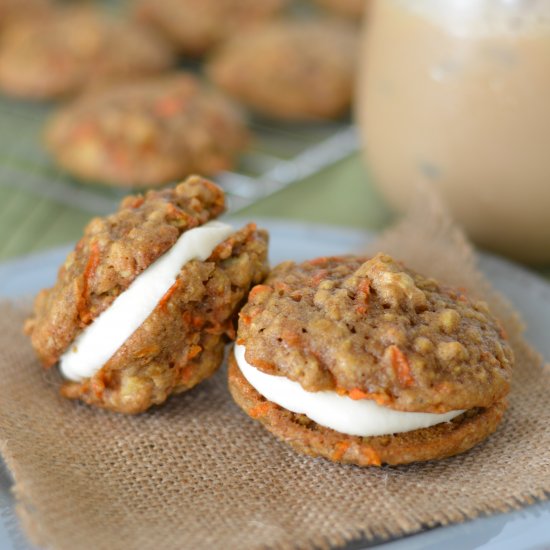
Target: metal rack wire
281,155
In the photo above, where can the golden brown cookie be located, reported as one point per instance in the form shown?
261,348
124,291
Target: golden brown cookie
293,70
148,132
195,26
181,340
71,48
371,331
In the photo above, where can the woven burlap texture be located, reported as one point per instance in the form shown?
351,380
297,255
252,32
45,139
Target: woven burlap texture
198,473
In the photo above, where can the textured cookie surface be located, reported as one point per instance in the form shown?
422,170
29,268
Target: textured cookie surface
72,48
290,70
444,440
148,132
195,26
111,254
370,328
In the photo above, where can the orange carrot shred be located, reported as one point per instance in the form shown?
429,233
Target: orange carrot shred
167,295
194,350
259,410
401,367
356,394
372,456
169,106
259,289
89,270
340,451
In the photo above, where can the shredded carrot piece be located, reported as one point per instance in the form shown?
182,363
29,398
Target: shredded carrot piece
167,295
89,270
322,260
187,373
84,130
262,365
372,456
318,277
259,410
246,319
259,289
194,350
97,385
136,203
401,367
169,106
356,394
361,310
340,451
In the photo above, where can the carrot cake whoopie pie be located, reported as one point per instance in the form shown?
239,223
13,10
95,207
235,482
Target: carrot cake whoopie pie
148,132
364,361
142,306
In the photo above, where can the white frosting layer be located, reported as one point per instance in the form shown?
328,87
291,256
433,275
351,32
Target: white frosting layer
341,413
98,342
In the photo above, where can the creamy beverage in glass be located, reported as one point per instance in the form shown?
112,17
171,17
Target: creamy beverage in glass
456,93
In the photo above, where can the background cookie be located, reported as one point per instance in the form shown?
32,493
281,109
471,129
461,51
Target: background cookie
195,26
291,70
72,47
11,10
147,133
181,339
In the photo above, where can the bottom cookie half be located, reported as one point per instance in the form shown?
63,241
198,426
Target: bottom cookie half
440,441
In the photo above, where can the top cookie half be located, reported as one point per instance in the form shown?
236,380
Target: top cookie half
371,328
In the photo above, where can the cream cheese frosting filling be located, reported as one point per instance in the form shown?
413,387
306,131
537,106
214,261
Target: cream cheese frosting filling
99,341
338,412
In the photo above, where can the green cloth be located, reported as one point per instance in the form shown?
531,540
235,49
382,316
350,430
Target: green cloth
340,195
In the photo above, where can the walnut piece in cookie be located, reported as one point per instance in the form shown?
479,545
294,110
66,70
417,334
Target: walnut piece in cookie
365,348
179,340
148,133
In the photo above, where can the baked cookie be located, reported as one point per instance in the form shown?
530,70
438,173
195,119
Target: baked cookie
292,70
72,47
195,26
142,307
348,8
147,133
364,361
12,10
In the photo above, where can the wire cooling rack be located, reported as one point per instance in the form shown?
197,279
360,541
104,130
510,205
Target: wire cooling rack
281,154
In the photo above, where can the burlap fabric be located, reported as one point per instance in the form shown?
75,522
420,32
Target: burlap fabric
197,473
